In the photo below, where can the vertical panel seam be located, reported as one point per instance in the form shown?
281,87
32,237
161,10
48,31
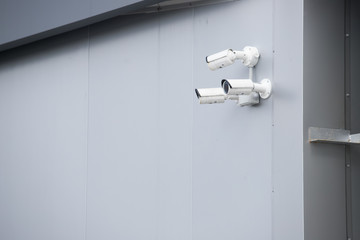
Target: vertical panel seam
87,130
192,127
272,122
347,118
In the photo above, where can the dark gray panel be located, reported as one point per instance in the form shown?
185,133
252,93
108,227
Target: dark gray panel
22,21
355,113
43,113
98,7
21,18
324,165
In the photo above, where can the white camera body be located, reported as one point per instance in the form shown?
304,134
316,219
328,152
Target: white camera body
237,86
247,86
210,95
221,59
249,57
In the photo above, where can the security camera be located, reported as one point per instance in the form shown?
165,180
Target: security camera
246,86
210,95
249,57
221,59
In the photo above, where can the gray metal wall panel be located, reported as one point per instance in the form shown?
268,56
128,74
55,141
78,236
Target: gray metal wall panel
43,113
123,131
168,210
161,166
140,128
232,145
175,125
287,139
355,114
324,165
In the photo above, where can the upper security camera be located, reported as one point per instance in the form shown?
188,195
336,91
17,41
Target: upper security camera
249,57
246,86
210,95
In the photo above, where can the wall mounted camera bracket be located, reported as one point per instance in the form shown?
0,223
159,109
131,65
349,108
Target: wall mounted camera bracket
248,100
251,56
334,136
245,92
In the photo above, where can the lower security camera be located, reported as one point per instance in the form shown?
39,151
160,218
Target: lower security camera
237,86
210,95
247,86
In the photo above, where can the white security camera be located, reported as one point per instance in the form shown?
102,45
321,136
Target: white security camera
237,86
249,57
246,86
210,95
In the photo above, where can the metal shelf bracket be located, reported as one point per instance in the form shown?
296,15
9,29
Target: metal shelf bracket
329,135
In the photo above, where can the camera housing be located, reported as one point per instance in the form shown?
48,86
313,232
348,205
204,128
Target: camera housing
249,56
247,86
237,86
210,95
221,59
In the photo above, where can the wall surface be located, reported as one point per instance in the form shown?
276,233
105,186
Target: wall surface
103,138
287,134
324,106
43,156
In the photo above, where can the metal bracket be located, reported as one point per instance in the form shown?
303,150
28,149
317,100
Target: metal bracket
329,135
